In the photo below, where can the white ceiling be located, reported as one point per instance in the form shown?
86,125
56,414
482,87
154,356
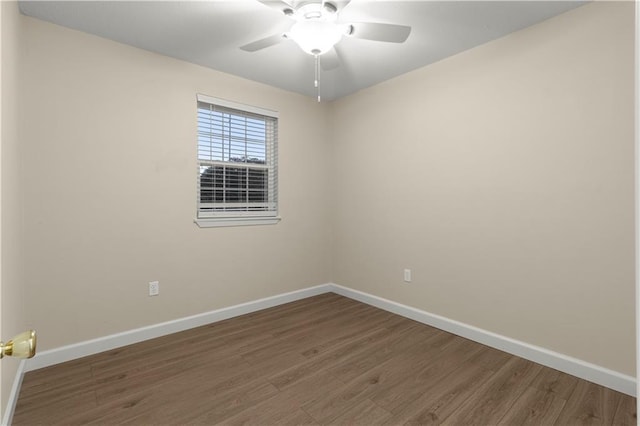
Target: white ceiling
209,33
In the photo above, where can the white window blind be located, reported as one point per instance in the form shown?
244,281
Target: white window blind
237,160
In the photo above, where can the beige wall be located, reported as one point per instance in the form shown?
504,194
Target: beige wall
503,177
110,191
11,243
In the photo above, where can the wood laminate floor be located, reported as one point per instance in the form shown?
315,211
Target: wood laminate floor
318,361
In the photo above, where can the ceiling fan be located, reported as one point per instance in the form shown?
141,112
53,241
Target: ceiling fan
316,27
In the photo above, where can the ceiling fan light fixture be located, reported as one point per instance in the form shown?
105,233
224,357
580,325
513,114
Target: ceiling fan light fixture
316,37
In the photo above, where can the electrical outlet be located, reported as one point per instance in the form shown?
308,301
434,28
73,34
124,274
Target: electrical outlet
154,288
407,275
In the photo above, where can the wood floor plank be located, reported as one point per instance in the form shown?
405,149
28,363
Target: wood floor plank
271,412
52,387
305,338
222,408
366,413
369,335
543,402
442,398
346,333
291,375
388,374
489,359
295,417
626,413
590,404
324,360
354,367
57,412
556,382
198,401
497,395
395,397
114,387
534,407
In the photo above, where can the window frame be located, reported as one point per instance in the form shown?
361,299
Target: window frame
241,218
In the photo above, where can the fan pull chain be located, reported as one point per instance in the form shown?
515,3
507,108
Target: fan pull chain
317,80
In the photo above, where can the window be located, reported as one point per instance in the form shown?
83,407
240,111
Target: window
237,164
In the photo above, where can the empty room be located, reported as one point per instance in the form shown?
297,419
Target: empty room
318,212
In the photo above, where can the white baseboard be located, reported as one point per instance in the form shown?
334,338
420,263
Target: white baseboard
576,367
593,373
94,346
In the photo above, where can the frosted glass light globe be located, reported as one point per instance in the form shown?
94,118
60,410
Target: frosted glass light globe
316,37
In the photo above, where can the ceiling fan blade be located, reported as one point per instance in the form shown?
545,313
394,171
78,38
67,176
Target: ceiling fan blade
330,60
263,43
380,32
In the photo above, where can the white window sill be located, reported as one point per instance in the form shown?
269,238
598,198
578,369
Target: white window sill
236,221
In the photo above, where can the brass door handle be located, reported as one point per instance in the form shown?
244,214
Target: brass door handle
21,346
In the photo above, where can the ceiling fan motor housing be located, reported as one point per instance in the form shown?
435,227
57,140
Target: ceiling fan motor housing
315,10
